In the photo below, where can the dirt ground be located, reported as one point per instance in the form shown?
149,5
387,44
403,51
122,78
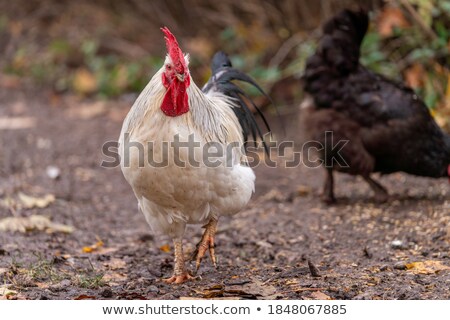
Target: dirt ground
362,250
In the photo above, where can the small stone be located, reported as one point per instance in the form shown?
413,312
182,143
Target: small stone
106,293
153,289
60,286
313,270
53,172
65,283
384,267
400,265
398,244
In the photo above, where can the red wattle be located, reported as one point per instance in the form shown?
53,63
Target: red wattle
175,101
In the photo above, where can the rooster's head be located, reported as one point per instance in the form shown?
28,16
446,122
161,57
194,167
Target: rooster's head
175,78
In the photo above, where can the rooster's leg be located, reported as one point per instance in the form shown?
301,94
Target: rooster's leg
206,243
381,194
180,274
328,188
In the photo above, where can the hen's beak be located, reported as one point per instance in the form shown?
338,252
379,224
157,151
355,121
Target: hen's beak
181,77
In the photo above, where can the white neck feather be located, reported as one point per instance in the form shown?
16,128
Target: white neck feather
211,114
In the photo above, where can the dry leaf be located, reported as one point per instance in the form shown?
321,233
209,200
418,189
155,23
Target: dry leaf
218,298
38,202
389,19
165,248
15,123
85,297
319,295
414,76
8,202
114,278
115,264
88,110
5,292
94,247
33,223
303,191
426,267
84,82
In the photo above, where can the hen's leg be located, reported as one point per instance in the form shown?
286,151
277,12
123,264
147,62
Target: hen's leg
207,242
180,274
328,188
381,194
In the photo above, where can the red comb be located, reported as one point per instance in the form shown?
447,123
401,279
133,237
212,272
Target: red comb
174,50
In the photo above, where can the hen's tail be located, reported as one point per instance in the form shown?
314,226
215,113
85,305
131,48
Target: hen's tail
223,74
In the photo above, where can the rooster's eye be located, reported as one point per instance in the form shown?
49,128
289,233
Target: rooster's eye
168,67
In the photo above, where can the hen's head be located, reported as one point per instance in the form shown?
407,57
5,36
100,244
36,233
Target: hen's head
354,23
175,78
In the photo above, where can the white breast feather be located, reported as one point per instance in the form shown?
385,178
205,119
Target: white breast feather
170,197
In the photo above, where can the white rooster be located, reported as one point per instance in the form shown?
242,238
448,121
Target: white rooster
186,188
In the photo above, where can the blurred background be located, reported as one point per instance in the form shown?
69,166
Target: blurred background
70,229
107,49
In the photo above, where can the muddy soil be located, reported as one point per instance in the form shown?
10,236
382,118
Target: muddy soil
361,249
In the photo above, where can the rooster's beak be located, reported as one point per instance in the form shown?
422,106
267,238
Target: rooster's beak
181,77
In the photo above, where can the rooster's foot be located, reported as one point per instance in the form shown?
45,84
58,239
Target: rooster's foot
179,278
206,243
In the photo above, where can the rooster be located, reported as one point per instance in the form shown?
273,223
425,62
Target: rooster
387,126
172,109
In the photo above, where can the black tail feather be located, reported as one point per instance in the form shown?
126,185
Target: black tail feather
221,81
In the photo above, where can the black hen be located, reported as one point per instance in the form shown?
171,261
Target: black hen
388,128
223,74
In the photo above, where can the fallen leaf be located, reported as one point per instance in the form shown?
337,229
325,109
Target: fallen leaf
218,298
84,81
303,191
88,110
8,202
5,293
33,223
38,202
389,19
273,195
319,295
426,267
42,285
94,247
115,264
414,76
211,293
114,278
85,297
15,123
165,248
